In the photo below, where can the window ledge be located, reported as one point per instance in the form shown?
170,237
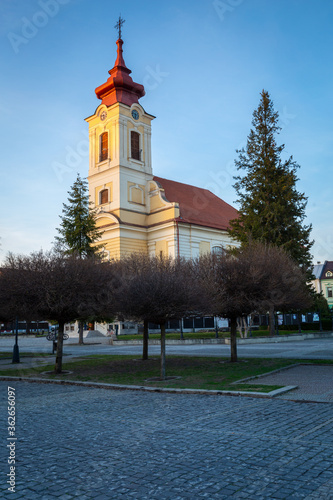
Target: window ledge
101,163
139,162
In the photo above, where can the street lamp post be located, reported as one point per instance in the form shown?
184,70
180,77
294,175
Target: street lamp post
277,323
16,353
299,322
181,329
320,322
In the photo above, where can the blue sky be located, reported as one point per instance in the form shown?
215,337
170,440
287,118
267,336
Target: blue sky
203,64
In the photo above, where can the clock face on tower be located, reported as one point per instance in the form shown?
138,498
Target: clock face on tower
103,115
135,114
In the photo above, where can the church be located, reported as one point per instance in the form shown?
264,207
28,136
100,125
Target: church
138,211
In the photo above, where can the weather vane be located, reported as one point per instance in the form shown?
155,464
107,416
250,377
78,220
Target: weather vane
119,25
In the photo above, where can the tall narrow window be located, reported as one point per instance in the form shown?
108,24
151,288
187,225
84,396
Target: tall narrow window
104,196
135,146
103,146
329,291
217,250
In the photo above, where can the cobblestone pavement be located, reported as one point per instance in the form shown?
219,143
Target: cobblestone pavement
86,443
315,383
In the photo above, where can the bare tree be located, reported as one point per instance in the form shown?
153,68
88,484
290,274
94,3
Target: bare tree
257,277
286,282
157,289
57,288
19,297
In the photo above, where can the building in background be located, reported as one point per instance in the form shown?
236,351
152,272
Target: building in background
324,280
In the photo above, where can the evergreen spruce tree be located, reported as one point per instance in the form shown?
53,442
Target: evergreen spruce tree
78,231
271,208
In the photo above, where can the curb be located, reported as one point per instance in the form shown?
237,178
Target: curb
270,373
97,385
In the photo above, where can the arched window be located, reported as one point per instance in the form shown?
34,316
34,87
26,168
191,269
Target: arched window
217,250
135,146
103,146
104,196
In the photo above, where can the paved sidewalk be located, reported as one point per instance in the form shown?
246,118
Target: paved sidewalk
26,362
84,443
303,349
315,382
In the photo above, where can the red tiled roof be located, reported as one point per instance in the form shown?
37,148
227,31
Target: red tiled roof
198,206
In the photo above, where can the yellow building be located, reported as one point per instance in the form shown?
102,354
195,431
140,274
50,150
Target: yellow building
137,211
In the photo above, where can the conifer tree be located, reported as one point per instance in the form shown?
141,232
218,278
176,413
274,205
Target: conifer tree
78,231
271,208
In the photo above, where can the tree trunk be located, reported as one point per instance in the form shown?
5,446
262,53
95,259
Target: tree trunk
216,327
81,333
60,340
246,327
240,326
181,329
145,340
250,325
233,339
162,351
271,321
299,321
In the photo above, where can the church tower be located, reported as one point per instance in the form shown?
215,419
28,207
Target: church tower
120,164
137,211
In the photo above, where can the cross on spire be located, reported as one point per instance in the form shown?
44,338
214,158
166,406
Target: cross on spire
119,24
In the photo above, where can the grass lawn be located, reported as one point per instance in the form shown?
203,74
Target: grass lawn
213,373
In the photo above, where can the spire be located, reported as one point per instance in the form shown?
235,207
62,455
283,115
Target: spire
120,87
120,63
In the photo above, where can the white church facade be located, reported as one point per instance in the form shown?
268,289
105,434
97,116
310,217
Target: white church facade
137,210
